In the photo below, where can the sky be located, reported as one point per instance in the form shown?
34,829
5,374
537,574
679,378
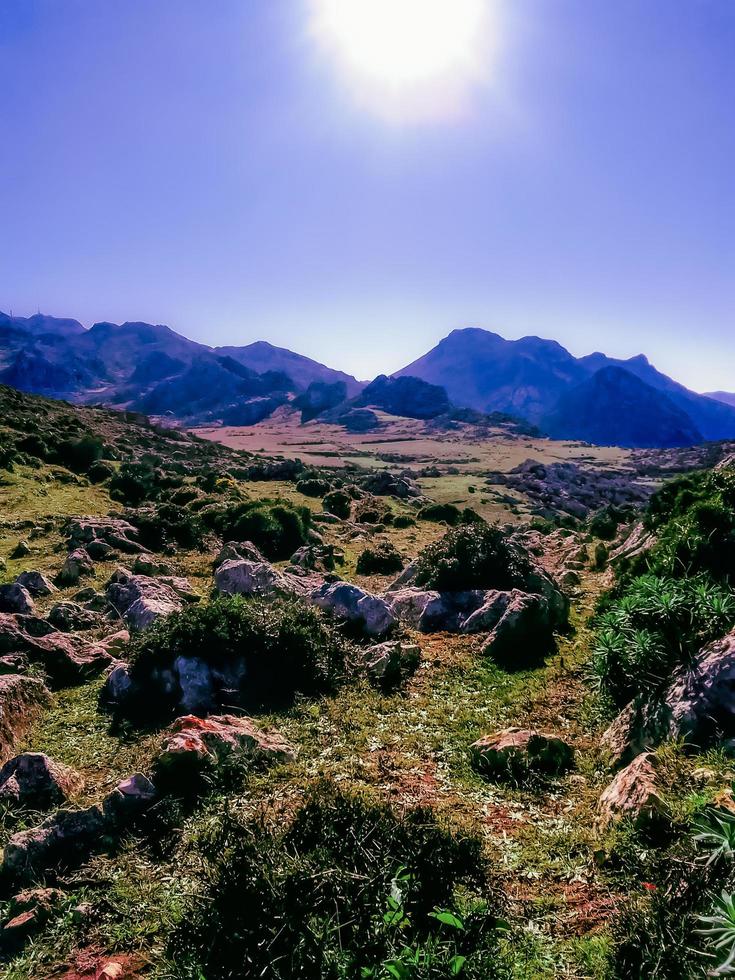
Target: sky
230,170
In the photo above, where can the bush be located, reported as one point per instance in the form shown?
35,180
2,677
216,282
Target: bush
447,513
339,503
655,625
379,560
99,472
79,454
133,483
162,525
403,520
276,527
313,487
473,556
286,646
371,510
348,889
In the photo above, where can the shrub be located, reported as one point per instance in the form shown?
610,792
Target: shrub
371,510
276,527
473,556
313,487
447,513
133,483
652,627
286,646
161,525
379,560
348,889
100,471
79,454
339,503
403,520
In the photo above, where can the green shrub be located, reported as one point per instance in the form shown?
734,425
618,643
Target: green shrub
100,471
133,483
339,503
276,527
348,889
287,647
79,454
473,556
161,525
382,559
655,625
372,510
403,520
313,487
447,513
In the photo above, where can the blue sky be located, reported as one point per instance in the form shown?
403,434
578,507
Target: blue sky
210,166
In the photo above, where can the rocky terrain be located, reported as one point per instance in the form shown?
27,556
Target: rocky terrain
261,717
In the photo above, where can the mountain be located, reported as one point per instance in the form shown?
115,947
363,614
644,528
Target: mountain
727,397
262,356
529,377
614,407
41,324
405,396
482,370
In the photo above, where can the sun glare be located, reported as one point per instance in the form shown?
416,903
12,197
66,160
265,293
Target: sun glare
406,52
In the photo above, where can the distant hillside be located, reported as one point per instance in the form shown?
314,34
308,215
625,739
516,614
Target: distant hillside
408,397
529,377
262,356
615,407
727,397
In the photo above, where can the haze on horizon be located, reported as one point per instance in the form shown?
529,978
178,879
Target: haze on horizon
249,171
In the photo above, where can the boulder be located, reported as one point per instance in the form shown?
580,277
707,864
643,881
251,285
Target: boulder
141,600
35,583
129,800
115,532
70,617
194,744
21,550
99,550
369,613
487,617
118,685
517,752
241,576
430,611
388,663
36,781
15,598
633,794
637,542
234,550
146,564
524,633
67,837
698,706
28,912
78,563
22,699
69,659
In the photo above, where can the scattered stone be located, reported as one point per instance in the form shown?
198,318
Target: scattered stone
35,583
240,576
517,752
128,800
115,532
77,564
21,550
389,663
142,600
146,564
69,659
68,836
22,699
235,550
99,550
70,617
524,634
194,744
14,598
633,794
36,781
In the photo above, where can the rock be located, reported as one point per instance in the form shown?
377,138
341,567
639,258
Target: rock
69,617
637,542
115,532
371,614
142,600
128,800
569,580
69,659
36,781
240,576
35,583
99,550
118,685
430,611
14,663
524,633
115,643
77,564
21,550
234,550
28,911
698,707
68,836
150,565
14,598
388,663
489,614
22,699
516,752
383,483
633,794
194,744
317,557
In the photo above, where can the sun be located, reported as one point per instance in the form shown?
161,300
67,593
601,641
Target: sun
405,52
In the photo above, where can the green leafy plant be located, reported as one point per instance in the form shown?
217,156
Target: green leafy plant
473,556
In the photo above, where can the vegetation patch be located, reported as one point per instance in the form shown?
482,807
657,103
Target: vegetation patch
473,556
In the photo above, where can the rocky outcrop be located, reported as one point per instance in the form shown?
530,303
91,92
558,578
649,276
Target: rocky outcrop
70,617
22,699
698,706
517,752
387,664
240,576
195,744
114,532
634,794
34,780
368,613
524,633
637,542
78,563
35,583
383,483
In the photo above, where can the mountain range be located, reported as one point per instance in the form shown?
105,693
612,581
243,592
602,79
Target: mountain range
152,369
